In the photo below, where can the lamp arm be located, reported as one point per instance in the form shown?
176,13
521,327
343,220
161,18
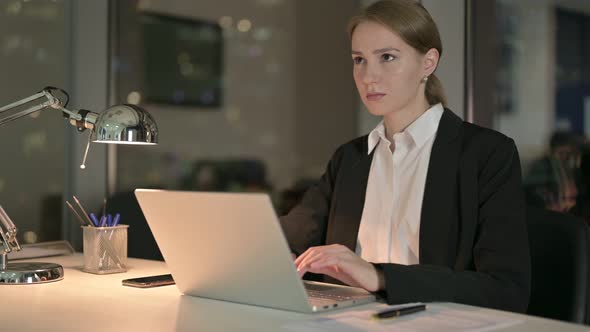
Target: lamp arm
123,124
44,99
8,233
50,101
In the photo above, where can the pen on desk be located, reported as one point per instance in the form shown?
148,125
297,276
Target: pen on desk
109,220
396,312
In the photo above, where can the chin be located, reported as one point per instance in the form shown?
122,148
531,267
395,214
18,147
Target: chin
377,111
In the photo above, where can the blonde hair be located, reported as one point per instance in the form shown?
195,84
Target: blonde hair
412,22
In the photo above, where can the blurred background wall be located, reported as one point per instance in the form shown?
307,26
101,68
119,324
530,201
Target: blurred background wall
283,96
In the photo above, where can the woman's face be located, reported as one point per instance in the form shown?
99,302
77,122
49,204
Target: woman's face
387,71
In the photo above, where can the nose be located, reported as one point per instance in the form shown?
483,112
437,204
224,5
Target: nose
370,73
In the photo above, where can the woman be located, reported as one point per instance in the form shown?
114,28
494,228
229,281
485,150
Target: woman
426,207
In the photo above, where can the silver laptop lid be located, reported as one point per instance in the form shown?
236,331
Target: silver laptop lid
226,246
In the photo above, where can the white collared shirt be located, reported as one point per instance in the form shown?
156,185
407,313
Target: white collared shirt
389,231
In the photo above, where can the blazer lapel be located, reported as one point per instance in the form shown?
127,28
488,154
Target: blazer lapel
344,225
440,193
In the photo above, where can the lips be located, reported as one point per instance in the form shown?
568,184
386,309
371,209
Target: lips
375,96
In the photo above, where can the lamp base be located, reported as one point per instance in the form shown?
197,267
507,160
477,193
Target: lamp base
30,273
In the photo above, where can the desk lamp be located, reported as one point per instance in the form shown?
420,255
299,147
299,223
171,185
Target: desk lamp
119,124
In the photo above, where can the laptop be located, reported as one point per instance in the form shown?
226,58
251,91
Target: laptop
230,247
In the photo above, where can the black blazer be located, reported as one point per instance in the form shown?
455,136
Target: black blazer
473,240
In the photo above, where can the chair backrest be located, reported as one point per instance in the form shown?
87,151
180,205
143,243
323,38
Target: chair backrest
560,262
140,240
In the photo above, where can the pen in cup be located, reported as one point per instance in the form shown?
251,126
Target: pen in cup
103,221
116,219
83,211
91,223
400,311
80,220
94,219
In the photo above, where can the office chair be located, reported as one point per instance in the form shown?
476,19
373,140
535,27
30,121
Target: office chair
140,240
560,266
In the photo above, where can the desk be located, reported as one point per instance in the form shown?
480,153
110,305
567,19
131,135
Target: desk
88,302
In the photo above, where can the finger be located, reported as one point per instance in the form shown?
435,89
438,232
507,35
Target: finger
342,262
311,257
327,262
341,268
301,270
332,267
303,255
311,252
325,268
323,263
332,248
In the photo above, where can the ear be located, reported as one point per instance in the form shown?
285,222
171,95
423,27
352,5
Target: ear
430,61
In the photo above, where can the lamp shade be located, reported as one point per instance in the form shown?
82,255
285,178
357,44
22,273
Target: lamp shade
125,124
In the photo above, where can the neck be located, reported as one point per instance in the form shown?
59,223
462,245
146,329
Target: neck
397,121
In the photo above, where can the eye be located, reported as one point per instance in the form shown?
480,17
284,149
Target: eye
357,60
388,57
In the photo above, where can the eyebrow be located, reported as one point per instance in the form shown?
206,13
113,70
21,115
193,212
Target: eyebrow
381,50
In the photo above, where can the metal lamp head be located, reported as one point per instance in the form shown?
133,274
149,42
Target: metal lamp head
125,124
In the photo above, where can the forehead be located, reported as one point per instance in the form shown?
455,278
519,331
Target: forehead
368,36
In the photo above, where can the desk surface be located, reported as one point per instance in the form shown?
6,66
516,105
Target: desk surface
83,301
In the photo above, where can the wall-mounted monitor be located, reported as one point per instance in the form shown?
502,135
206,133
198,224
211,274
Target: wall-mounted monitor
183,60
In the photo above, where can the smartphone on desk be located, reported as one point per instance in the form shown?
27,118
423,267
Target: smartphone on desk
150,281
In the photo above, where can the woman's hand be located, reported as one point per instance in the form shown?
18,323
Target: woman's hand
340,263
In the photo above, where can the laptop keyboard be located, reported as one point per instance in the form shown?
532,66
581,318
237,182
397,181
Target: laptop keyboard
325,296
327,293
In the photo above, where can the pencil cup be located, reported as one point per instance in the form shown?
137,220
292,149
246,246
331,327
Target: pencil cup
105,249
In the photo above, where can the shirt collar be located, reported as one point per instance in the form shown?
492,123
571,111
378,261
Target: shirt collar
375,135
420,130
